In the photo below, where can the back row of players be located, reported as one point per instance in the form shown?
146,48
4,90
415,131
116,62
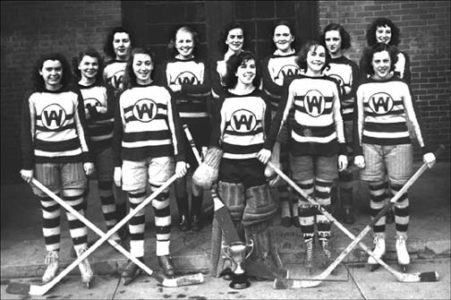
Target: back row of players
299,110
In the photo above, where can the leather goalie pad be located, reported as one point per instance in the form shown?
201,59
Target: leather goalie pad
232,195
260,206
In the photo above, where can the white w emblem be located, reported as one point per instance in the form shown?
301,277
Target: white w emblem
243,121
381,103
314,103
145,110
53,116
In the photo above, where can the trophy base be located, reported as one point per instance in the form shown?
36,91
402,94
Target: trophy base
239,281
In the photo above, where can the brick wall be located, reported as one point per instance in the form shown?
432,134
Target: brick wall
30,29
425,37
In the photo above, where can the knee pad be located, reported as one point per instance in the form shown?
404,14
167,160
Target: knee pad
232,194
260,206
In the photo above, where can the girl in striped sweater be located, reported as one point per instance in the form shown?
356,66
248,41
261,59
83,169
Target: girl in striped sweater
147,145
55,152
383,145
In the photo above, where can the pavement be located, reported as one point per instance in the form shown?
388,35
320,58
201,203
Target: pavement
23,250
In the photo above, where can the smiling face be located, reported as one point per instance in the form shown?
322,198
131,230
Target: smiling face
283,38
142,68
52,73
316,59
383,34
381,63
333,42
184,43
235,39
246,72
88,66
121,45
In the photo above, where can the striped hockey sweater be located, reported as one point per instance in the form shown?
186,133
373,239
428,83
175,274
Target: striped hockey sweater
384,107
275,70
146,125
240,124
99,106
53,128
346,72
113,75
192,76
317,126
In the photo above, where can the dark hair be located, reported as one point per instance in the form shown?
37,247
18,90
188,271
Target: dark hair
223,37
129,76
292,31
232,66
381,22
37,79
301,59
92,53
345,37
171,46
368,54
108,47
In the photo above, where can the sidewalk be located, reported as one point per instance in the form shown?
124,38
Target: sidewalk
23,250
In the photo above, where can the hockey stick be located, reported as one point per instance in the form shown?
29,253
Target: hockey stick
39,290
402,277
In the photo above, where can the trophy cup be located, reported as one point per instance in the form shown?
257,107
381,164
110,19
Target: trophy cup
237,252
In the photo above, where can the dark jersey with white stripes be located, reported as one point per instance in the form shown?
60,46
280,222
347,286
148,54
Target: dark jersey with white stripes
346,72
316,127
53,128
113,75
240,124
146,125
99,107
275,70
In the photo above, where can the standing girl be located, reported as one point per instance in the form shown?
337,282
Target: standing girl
55,152
383,145
99,105
187,76
276,68
316,137
148,137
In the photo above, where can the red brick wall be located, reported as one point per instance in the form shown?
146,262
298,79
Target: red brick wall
30,29
425,37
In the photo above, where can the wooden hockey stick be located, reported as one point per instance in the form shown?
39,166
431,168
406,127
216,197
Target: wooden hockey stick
39,290
402,277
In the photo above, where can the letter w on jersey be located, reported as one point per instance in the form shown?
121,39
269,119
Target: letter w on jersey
381,103
243,121
314,103
145,110
53,116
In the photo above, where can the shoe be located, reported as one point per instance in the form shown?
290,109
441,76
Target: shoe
130,272
165,262
52,262
348,216
85,268
402,253
379,250
390,216
184,223
286,221
196,223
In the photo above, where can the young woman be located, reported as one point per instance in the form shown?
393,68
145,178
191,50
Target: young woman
55,152
241,119
337,40
187,76
117,47
99,106
276,68
383,146
148,138
316,139
233,40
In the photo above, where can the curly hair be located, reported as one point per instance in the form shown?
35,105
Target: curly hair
233,64
294,44
345,37
92,53
223,37
108,46
38,81
129,75
368,53
171,45
381,22
301,58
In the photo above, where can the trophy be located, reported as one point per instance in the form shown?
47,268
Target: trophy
237,252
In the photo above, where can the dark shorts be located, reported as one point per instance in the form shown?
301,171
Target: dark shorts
249,172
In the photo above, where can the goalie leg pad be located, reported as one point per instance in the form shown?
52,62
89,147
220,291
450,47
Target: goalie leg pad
232,195
260,206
